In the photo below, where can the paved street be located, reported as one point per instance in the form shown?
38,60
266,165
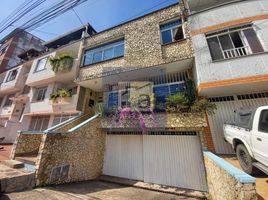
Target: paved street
261,179
91,190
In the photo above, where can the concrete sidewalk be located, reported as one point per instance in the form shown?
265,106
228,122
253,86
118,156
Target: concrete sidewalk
91,190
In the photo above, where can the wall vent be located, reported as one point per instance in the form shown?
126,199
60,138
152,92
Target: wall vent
253,96
60,173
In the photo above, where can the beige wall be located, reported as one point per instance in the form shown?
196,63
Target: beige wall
82,151
142,45
223,185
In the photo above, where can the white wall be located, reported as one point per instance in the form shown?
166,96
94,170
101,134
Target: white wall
208,71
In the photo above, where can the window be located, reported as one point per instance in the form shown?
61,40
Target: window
119,99
104,52
39,123
61,118
161,92
263,123
171,32
233,43
41,64
8,101
1,101
12,75
40,94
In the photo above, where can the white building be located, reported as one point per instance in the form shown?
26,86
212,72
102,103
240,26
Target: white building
230,40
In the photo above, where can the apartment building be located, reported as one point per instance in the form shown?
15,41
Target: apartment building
230,40
27,88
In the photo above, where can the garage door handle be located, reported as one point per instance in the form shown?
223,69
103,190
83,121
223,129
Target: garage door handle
259,139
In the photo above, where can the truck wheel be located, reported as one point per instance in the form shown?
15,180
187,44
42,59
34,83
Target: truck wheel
245,160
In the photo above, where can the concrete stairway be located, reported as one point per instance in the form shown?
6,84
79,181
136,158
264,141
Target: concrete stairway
15,177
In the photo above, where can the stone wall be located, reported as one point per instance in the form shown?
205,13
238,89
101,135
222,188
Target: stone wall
143,46
26,144
71,157
227,182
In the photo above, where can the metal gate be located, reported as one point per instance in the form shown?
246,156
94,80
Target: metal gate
166,158
225,109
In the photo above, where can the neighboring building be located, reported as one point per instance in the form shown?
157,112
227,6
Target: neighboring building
230,40
26,88
14,44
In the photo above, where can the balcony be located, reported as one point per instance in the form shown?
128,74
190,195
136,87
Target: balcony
13,80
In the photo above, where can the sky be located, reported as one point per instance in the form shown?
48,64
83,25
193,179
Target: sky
101,14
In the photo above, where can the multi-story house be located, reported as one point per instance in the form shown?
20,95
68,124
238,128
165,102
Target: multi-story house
152,54
14,44
26,89
230,40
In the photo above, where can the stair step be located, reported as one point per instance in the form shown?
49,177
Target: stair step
15,164
27,159
261,167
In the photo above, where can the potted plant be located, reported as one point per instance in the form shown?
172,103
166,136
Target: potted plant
61,63
60,96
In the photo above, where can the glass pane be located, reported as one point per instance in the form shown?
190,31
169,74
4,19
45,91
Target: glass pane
124,98
214,48
174,88
166,37
32,124
178,33
263,123
38,124
170,24
113,100
119,50
97,57
45,124
226,42
236,39
108,54
253,41
88,58
41,64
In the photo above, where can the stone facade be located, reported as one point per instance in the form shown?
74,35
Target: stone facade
223,185
26,144
71,157
142,45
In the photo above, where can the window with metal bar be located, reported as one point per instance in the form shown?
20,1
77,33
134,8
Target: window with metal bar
233,43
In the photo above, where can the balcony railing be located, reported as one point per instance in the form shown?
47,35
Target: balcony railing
236,52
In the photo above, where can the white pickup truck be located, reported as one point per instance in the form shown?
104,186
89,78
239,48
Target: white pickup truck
248,135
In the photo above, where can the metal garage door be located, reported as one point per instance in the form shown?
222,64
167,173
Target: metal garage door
123,156
167,158
225,108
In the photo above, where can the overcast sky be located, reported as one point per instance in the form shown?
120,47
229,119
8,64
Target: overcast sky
101,14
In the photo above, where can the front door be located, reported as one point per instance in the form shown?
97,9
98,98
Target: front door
260,139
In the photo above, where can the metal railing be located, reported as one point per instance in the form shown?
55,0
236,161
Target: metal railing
236,52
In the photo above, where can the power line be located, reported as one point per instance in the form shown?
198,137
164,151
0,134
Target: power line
80,20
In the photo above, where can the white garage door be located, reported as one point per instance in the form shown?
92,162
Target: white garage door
167,158
225,109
